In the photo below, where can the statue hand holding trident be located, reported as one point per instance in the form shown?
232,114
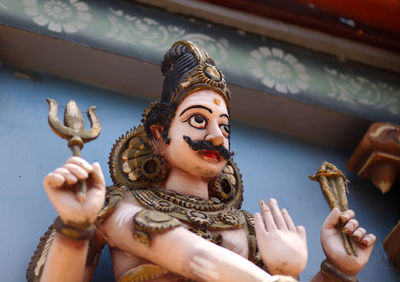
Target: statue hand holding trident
73,131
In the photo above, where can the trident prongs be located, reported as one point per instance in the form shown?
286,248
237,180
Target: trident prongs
73,131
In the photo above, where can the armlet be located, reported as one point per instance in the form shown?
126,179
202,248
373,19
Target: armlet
114,195
150,222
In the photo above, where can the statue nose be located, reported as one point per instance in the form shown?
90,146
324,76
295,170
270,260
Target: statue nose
214,135
215,140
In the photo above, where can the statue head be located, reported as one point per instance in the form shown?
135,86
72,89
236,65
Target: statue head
188,129
193,114
186,69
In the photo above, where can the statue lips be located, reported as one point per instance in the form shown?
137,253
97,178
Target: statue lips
210,154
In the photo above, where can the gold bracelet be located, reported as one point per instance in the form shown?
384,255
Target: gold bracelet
72,230
327,269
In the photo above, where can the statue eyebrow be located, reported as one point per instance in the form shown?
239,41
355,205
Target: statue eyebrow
224,115
196,106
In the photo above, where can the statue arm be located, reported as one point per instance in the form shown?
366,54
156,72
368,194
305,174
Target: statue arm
178,250
66,260
68,248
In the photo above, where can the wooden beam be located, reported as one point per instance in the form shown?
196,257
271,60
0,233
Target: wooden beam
128,75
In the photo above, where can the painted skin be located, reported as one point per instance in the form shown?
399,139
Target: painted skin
201,116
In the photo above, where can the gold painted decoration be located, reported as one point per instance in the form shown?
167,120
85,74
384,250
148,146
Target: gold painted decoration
133,163
207,234
228,186
191,210
148,222
36,265
205,76
144,272
114,195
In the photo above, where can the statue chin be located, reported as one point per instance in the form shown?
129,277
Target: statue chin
207,172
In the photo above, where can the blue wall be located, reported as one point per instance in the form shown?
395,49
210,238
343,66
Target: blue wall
273,165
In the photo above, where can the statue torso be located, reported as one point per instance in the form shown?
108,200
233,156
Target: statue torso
157,209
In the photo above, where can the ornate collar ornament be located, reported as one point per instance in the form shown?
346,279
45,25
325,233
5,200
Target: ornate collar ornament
187,68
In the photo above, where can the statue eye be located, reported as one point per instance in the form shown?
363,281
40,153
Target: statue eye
197,121
226,129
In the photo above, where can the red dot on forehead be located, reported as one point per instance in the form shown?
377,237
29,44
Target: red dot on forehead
217,101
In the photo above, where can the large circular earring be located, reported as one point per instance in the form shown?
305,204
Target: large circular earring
153,169
133,162
227,187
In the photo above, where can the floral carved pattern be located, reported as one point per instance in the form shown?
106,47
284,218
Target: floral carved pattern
135,29
59,16
359,90
251,61
277,70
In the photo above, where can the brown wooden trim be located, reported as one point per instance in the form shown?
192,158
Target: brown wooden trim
385,35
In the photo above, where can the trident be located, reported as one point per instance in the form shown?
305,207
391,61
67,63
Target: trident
73,131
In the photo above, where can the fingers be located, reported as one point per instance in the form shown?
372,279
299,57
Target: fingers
70,179
368,240
301,230
267,217
288,220
53,180
75,169
97,176
347,215
78,167
332,220
276,219
80,162
259,226
277,215
350,226
359,233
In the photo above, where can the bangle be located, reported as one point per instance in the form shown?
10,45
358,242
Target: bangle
327,269
73,230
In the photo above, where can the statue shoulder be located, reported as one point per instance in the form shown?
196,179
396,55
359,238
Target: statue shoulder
114,195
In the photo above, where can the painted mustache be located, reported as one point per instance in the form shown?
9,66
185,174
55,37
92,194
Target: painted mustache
207,145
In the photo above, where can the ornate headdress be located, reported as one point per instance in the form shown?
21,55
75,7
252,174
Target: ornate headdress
186,68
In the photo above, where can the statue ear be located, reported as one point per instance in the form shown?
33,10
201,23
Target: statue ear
156,131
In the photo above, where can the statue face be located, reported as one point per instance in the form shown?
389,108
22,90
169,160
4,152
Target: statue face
202,116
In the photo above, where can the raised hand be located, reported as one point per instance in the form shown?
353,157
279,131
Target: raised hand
282,245
61,186
331,240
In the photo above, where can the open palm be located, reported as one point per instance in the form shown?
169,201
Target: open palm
282,245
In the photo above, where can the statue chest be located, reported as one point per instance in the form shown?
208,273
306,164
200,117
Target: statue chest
236,241
216,222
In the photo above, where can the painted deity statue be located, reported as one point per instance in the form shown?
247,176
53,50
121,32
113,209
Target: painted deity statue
173,212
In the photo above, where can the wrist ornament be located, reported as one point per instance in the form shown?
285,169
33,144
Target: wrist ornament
335,275
72,230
